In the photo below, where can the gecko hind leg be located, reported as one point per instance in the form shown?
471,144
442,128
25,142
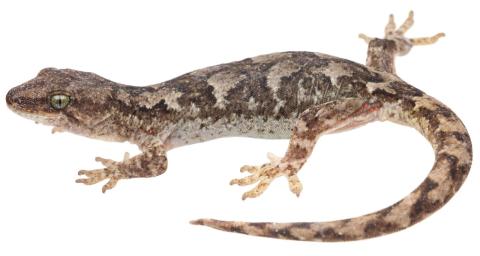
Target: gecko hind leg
318,120
403,43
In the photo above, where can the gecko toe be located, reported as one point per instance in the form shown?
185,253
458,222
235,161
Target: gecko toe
105,162
258,190
100,173
245,181
295,185
87,181
94,176
263,175
110,184
248,168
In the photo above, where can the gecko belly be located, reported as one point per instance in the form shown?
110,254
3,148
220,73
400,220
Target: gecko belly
199,130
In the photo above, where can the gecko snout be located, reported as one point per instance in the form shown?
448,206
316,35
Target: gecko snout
18,100
10,98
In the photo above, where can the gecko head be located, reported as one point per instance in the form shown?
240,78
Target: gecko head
67,99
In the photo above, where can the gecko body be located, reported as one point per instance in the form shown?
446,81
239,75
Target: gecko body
295,95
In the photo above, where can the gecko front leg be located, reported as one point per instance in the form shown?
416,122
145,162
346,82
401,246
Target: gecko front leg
330,117
152,162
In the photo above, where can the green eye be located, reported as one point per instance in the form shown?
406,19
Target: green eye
59,101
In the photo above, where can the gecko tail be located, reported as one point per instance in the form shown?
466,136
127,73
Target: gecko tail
453,157
303,231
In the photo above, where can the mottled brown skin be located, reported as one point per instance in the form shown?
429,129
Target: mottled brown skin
296,95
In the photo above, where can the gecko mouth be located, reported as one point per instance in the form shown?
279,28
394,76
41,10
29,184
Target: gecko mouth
43,119
37,116
29,113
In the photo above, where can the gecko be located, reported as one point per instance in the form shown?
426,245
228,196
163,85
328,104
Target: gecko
299,96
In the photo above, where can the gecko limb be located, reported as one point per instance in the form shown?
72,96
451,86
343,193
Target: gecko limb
151,163
381,52
318,120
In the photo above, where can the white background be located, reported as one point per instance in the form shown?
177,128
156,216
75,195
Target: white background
43,212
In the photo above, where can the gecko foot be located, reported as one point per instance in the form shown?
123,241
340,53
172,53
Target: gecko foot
404,44
112,171
263,175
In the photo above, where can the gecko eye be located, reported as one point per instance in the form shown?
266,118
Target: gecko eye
59,101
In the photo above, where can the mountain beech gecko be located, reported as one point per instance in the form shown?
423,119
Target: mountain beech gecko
295,95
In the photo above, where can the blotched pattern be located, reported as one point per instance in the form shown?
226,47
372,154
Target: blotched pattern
296,95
